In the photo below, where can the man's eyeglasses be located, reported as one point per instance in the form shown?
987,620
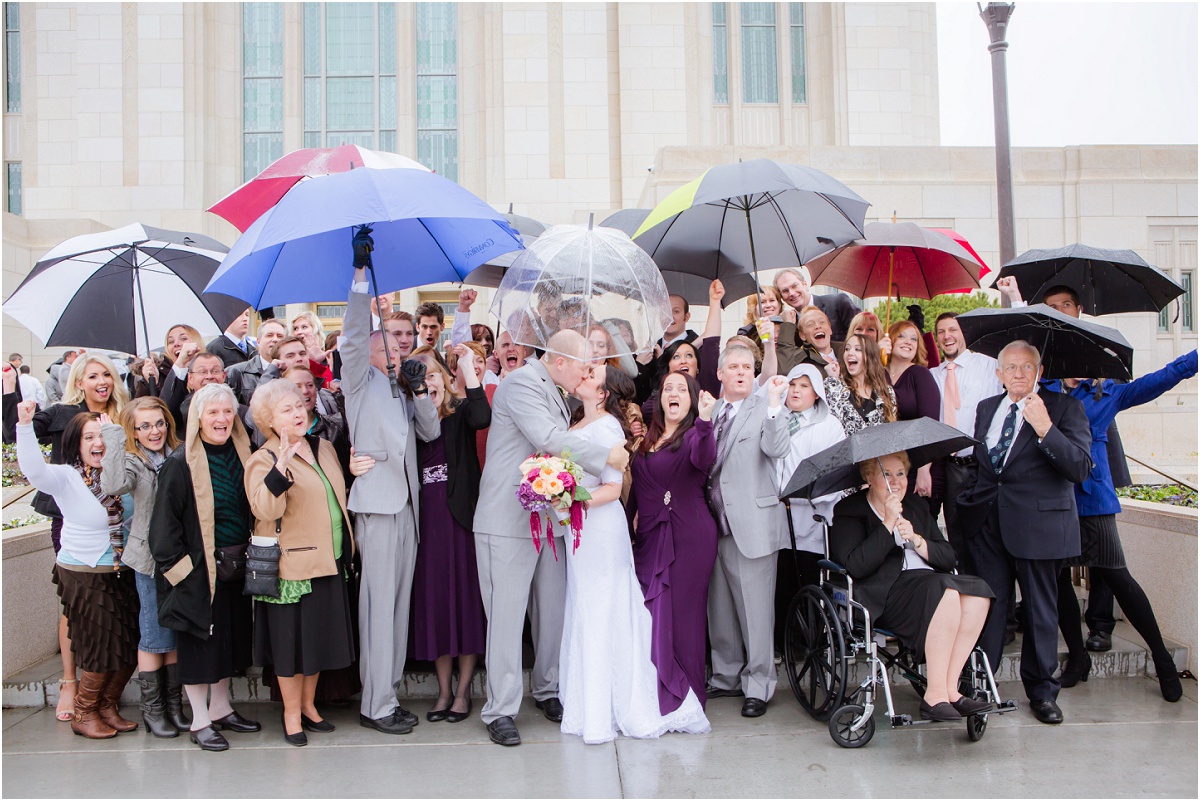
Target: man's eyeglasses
216,373
161,424
1010,369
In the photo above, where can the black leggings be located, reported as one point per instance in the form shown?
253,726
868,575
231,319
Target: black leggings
1128,594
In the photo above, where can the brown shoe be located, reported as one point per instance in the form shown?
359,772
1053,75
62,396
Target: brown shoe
87,722
110,698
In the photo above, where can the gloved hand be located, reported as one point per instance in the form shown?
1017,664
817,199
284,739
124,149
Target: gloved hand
363,245
917,315
413,373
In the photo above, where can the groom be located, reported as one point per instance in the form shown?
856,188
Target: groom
529,415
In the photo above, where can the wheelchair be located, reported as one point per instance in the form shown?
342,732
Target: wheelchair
837,662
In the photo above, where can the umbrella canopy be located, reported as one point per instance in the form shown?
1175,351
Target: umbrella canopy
627,221
250,201
1107,281
962,240
836,468
575,277
426,229
491,273
740,218
898,258
123,289
1070,347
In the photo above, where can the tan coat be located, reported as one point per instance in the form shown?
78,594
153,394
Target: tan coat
306,531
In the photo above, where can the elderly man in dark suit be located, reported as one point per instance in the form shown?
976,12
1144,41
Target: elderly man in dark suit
1020,500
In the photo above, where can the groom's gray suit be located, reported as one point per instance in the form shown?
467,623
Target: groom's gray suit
529,415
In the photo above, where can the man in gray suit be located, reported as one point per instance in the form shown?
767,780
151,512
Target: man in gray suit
751,434
385,502
529,415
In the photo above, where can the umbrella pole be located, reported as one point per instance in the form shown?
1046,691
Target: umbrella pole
391,368
753,257
787,510
887,313
137,277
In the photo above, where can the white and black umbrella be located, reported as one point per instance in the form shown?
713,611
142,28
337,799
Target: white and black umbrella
123,289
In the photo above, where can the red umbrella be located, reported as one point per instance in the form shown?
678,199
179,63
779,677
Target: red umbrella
247,203
962,240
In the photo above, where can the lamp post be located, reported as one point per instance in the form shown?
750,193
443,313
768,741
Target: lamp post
995,16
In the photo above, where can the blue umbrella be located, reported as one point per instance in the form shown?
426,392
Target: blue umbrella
426,229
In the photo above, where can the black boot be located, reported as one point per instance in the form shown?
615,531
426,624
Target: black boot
174,698
154,706
1168,678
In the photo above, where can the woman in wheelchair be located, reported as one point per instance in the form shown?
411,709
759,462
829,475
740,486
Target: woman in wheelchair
901,565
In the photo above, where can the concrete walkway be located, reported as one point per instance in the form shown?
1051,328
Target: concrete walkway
1120,740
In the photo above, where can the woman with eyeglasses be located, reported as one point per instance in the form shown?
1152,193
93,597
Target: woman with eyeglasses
133,453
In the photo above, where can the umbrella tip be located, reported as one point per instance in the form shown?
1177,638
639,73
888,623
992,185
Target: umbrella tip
352,165
893,216
510,207
591,219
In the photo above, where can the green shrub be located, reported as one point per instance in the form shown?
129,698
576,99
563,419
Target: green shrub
1172,494
935,306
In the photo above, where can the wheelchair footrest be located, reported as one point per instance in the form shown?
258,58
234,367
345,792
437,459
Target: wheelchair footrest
901,720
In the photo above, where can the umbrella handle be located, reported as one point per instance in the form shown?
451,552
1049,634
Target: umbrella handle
391,368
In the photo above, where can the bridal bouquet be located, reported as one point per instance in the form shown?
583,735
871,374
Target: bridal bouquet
553,485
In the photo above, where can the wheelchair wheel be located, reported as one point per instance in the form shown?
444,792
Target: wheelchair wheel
841,723
976,726
814,653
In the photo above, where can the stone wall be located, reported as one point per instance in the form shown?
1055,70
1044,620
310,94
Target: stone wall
31,608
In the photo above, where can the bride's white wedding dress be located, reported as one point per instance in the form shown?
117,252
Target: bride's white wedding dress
607,683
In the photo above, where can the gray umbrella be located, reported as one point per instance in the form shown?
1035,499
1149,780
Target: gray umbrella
1107,281
491,273
836,468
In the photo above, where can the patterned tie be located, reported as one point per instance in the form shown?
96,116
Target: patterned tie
723,424
998,453
951,401
795,420
716,503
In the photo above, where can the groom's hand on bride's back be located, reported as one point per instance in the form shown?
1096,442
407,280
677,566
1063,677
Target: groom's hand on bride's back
618,457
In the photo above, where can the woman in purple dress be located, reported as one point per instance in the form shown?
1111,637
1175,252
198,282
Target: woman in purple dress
917,395
447,610
675,546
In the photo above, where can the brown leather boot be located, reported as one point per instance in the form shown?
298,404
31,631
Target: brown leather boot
110,698
87,722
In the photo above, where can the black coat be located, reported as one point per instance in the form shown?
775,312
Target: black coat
229,353
462,456
859,542
174,534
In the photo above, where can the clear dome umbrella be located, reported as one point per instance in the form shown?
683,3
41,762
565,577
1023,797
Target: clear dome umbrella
584,279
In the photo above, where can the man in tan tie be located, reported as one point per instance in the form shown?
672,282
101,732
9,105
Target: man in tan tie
964,378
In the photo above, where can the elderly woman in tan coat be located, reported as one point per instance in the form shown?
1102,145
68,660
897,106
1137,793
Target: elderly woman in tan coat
297,493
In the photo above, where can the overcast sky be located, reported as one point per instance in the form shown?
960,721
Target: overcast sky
1078,73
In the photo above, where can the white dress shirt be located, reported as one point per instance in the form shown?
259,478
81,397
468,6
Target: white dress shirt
977,380
997,426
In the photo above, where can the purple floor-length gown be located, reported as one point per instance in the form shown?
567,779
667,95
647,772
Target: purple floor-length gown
673,554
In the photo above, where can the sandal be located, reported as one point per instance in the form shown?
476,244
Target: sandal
67,713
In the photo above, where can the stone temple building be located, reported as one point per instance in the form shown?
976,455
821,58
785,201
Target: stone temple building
150,112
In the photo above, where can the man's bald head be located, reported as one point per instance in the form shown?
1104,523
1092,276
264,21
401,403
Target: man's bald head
564,359
379,357
566,342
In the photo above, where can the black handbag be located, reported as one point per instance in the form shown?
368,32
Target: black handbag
262,567
231,562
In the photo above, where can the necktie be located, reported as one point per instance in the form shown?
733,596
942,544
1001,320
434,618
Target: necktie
716,503
723,424
998,453
951,401
242,346
794,422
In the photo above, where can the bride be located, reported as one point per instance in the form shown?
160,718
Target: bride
607,682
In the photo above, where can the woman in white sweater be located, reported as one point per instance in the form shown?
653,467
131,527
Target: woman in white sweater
97,591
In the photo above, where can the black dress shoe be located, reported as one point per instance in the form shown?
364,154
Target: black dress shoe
944,711
552,708
1010,636
434,715
1099,641
298,739
503,731
235,722
716,692
405,716
754,708
321,726
967,706
1074,672
1046,711
1168,681
209,739
459,717
388,725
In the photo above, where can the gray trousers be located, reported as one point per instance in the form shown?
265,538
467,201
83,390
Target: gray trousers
741,621
513,577
388,547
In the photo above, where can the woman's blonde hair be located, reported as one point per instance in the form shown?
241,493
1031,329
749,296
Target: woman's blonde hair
314,320
128,421
452,359
192,333
869,320
871,466
264,400
752,303
922,357
428,356
72,394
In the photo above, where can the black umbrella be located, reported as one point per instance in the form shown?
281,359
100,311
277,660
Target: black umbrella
836,468
1107,281
491,273
1070,347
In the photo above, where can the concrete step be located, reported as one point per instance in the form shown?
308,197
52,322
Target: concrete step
38,686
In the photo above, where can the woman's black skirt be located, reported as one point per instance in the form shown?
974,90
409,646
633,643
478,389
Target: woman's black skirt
102,617
309,636
1099,543
915,597
227,650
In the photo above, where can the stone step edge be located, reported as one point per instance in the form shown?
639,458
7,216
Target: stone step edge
44,692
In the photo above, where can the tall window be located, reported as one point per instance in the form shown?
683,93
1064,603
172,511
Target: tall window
12,56
262,86
1186,321
12,181
720,41
760,80
437,88
350,75
799,76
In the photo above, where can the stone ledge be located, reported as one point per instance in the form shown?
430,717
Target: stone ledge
1164,516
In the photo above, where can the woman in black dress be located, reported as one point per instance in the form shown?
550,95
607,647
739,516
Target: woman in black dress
901,565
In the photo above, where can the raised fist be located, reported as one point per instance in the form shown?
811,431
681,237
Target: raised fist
363,245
